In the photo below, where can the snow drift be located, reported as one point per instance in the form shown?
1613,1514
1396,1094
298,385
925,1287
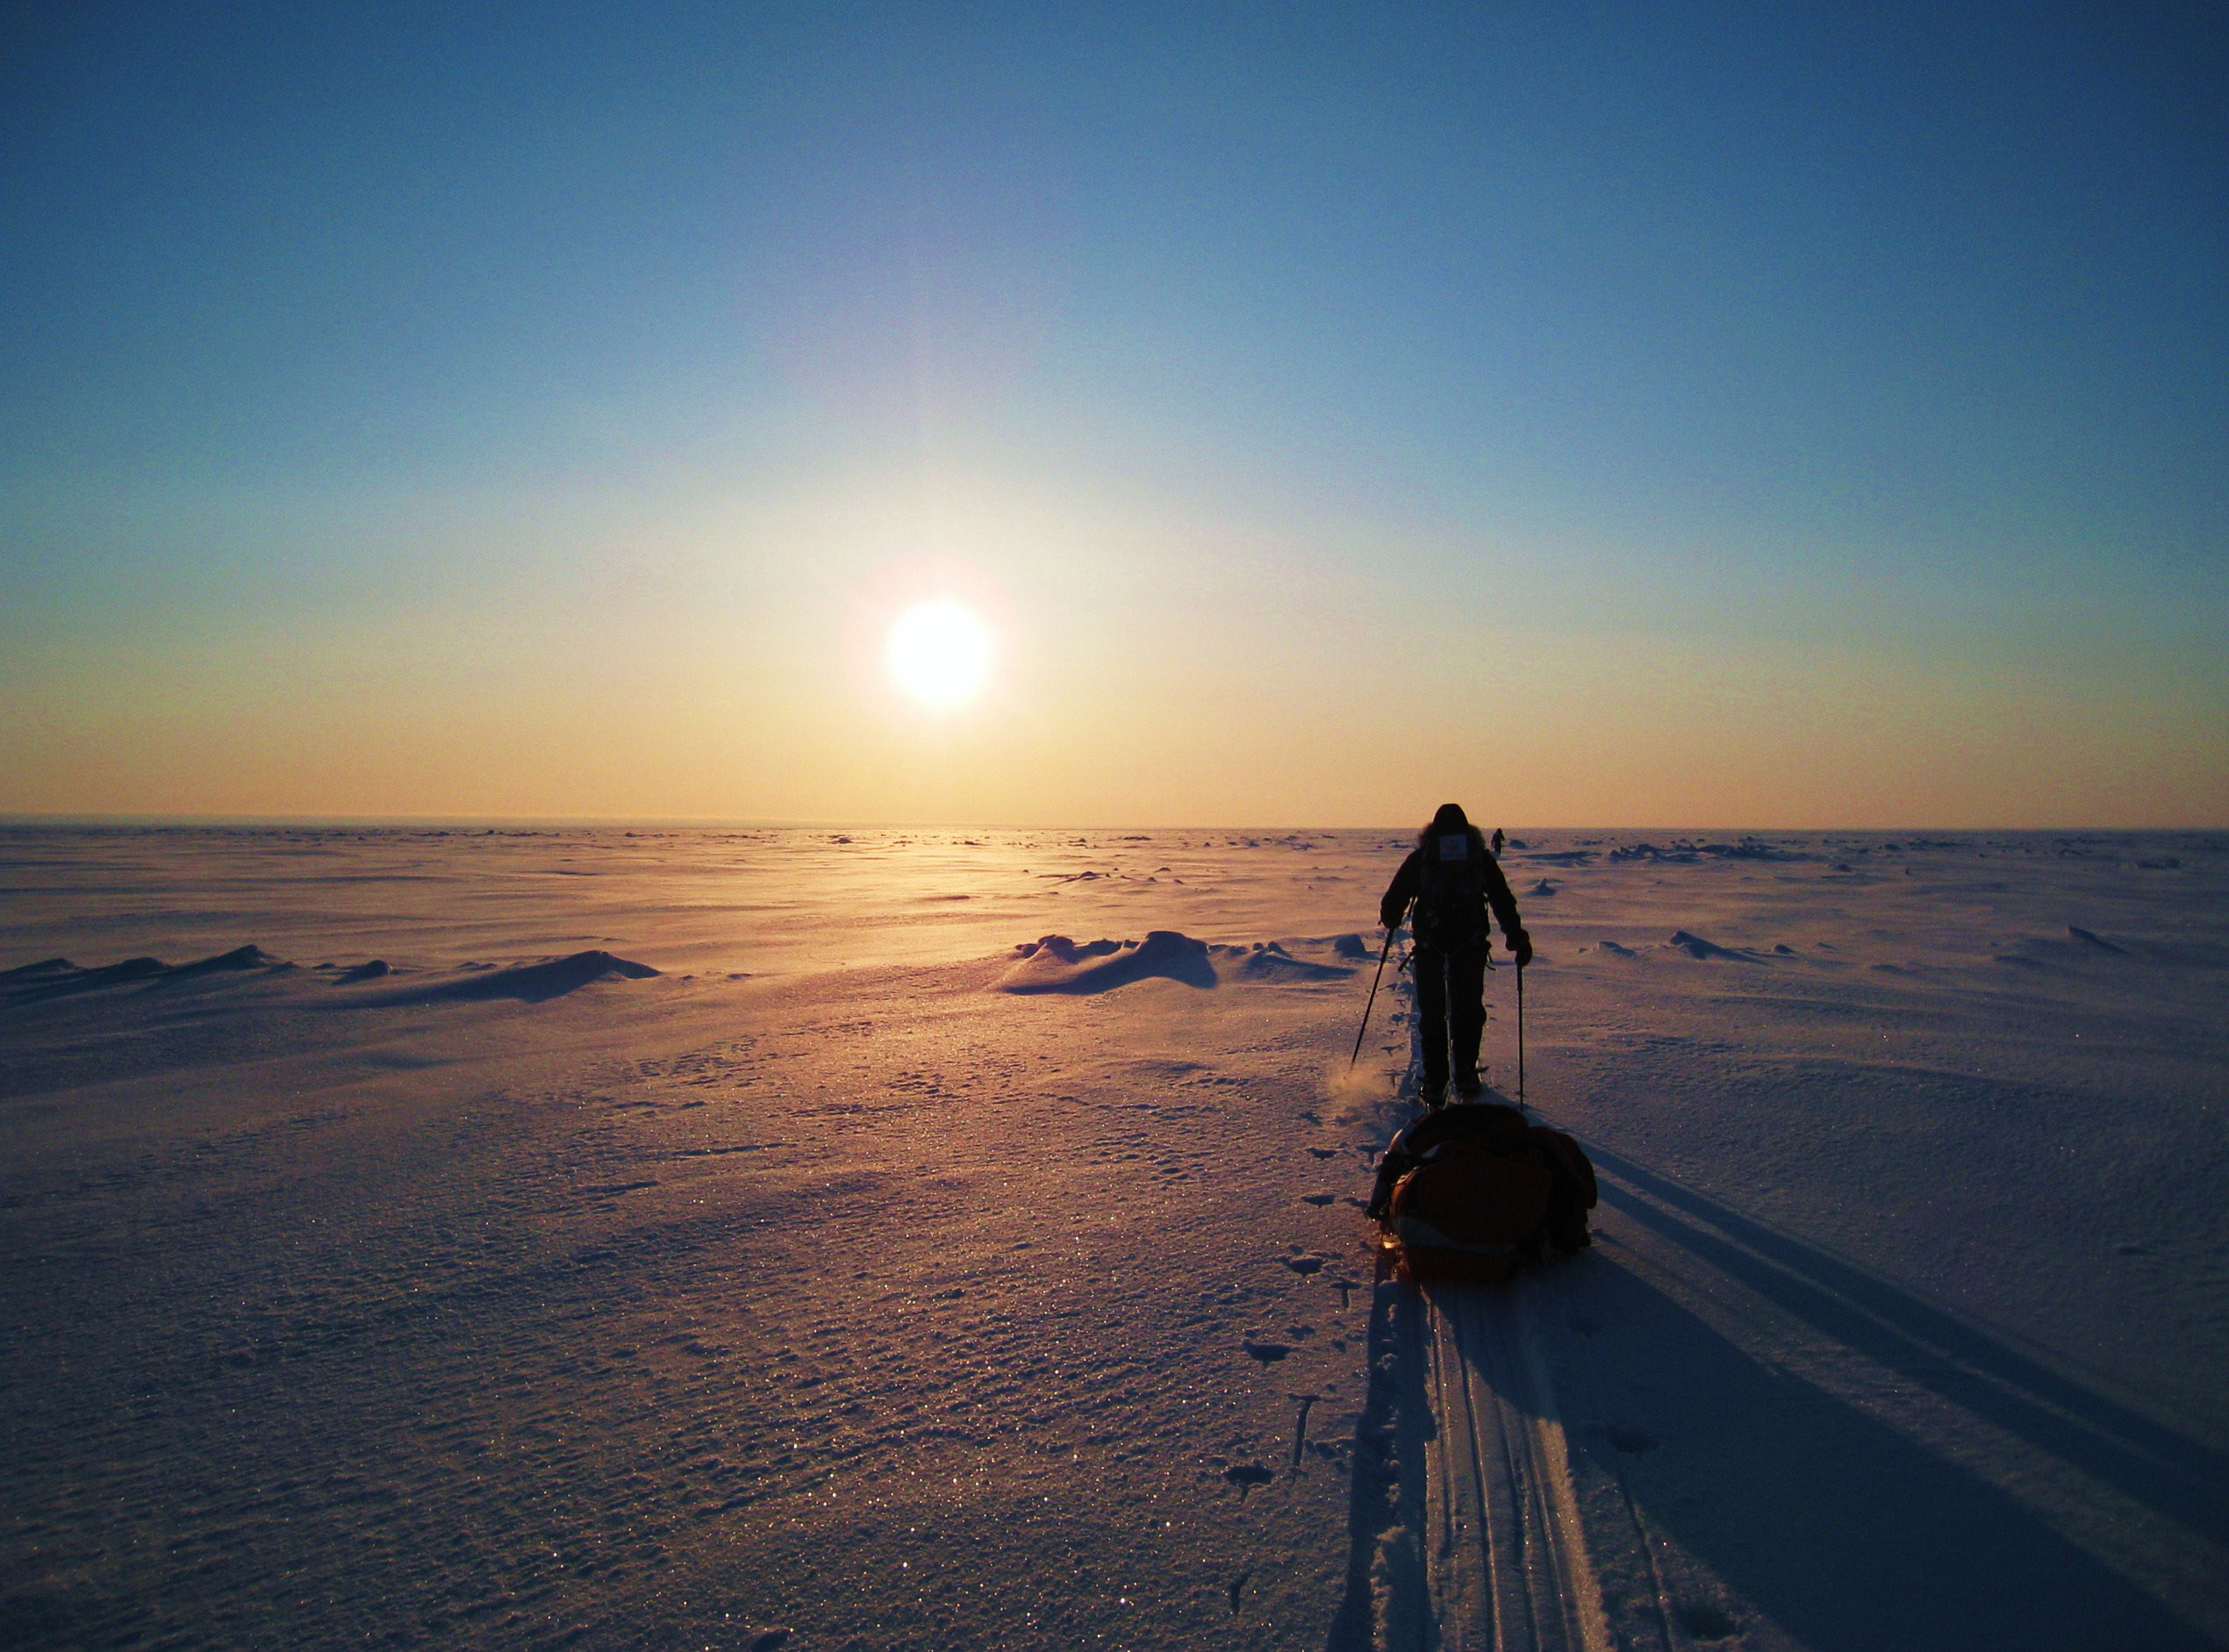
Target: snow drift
530,984
1057,964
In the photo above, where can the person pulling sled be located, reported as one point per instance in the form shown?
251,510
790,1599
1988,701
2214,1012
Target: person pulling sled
1453,880
1470,1191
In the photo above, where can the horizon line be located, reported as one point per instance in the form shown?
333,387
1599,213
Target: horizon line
65,820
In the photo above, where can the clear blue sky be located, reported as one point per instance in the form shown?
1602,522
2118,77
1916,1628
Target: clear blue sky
1728,414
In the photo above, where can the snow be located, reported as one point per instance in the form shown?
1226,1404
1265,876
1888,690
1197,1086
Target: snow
807,1238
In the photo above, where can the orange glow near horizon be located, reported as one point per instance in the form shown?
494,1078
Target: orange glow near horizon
997,653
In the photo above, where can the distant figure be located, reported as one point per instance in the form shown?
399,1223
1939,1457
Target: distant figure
1452,878
1498,839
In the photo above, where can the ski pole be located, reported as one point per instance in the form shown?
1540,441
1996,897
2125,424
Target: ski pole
1366,1008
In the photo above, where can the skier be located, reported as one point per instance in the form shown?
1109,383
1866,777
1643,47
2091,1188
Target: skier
1453,880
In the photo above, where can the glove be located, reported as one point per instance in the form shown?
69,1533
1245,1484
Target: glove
1520,944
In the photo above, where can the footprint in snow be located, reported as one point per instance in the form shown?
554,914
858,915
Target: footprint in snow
1304,1264
1318,1200
1324,1153
1267,1353
2089,939
1247,1476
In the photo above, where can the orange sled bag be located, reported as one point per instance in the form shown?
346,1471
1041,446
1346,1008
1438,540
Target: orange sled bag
1470,1192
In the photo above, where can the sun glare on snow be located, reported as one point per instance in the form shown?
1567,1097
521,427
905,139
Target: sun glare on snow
940,652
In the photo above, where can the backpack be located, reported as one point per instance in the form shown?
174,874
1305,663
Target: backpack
1451,891
1470,1192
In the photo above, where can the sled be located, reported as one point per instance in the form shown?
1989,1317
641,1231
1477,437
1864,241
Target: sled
1474,1191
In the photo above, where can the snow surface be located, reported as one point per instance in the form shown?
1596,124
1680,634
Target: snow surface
949,1239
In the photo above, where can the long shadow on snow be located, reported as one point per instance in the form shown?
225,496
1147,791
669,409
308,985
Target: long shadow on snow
2179,1477
1386,1496
1846,1534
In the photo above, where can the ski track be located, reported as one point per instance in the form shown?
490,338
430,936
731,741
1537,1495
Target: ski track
1508,1560
1463,1400
1466,1527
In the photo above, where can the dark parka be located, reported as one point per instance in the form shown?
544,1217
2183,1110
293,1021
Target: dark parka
1470,926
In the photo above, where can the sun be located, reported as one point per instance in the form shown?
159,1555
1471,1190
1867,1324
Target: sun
940,652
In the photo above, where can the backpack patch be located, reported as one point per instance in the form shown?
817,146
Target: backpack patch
1451,898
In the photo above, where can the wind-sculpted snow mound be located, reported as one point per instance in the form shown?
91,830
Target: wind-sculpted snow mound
1268,960
248,957
530,984
57,977
1058,964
